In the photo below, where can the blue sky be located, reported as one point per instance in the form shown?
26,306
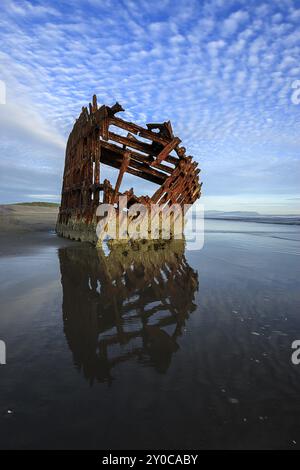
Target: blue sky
220,70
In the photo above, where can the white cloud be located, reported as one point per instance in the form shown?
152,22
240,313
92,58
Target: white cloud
232,23
27,8
220,74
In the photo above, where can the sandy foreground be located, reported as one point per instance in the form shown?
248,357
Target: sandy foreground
27,227
23,218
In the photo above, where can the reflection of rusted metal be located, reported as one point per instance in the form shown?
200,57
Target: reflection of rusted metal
153,154
131,304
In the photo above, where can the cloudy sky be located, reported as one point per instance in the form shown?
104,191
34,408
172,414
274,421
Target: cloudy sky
220,70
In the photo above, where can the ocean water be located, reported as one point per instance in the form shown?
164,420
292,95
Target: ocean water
156,348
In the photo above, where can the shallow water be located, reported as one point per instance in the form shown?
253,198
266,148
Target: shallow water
153,349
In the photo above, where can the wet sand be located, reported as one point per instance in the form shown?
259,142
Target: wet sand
169,349
25,228
22,218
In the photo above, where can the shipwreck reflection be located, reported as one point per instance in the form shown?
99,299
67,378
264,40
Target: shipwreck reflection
131,303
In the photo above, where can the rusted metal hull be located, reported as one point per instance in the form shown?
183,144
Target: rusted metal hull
152,153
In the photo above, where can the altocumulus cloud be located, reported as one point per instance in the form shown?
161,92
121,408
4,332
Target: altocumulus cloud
220,70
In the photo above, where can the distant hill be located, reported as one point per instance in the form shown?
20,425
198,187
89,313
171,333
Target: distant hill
38,204
232,214
249,216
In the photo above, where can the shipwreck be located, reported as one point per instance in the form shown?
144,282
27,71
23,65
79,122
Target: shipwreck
151,153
